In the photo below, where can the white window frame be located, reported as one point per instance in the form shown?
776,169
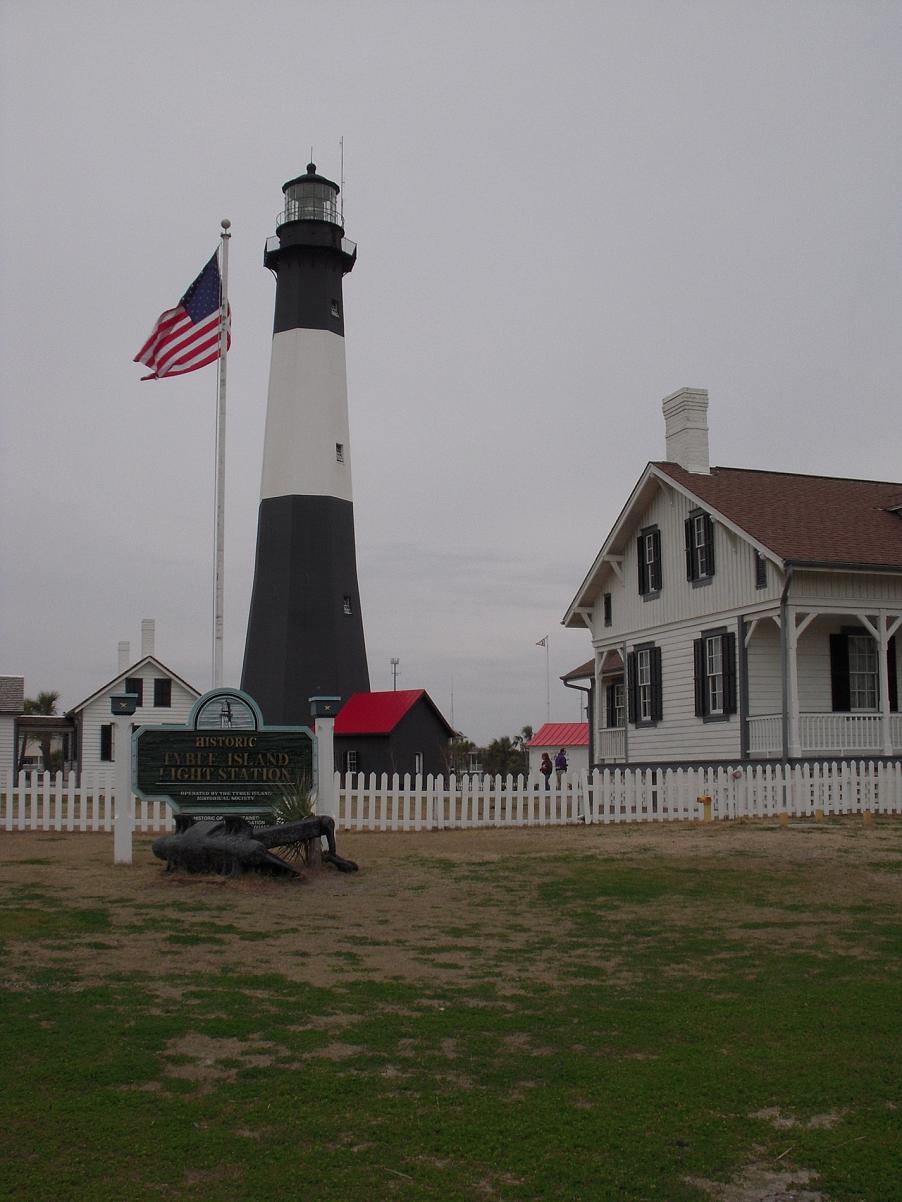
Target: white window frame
644,684
864,682
714,673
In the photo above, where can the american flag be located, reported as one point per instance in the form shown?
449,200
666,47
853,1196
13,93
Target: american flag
187,337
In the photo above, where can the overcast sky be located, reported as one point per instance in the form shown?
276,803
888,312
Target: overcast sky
564,211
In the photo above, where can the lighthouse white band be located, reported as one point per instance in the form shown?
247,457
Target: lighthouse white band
307,417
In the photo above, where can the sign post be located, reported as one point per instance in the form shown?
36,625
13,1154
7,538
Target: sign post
323,711
122,707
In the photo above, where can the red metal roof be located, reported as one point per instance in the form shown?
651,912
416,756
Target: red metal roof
806,519
380,713
561,734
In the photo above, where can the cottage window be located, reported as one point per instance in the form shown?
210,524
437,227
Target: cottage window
135,684
644,694
862,672
162,692
339,452
760,570
418,764
346,604
351,761
699,546
616,704
715,674
106,742
608,611
854,677
651,575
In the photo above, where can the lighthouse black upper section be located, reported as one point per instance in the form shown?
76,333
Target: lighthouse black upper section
305,631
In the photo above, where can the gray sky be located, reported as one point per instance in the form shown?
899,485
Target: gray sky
564,211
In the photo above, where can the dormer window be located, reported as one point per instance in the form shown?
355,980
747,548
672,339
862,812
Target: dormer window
699,547
339,452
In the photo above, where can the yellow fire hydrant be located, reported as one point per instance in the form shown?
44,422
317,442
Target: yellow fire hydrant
706,803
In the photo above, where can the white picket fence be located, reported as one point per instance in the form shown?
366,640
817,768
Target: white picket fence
41,802
618,795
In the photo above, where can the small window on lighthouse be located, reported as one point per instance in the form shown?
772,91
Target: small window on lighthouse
335,310
339,452
347,604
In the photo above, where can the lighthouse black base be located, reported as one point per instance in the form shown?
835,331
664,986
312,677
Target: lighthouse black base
305,632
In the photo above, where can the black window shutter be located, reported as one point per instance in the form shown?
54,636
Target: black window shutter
106,741
729,672
698,655
632,687
690,557
640,555
892,675
657,691
658,582
709,542
839,673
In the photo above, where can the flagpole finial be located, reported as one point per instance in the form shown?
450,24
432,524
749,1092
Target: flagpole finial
225,223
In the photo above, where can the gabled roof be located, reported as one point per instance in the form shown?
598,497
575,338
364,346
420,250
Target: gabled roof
147,661
561,734
380,713
805,519
790,518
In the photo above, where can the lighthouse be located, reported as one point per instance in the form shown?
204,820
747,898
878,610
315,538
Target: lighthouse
305,630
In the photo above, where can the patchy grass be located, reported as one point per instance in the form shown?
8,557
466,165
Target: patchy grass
591,1015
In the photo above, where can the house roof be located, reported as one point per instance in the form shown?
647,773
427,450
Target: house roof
561,734
582,672
805,519
12,694
380,713
810,521
148,660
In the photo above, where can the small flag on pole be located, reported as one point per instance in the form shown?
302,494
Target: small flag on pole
187,337
542,642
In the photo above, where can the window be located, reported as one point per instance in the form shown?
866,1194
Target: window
134,684
418,764
854,676
346,604
106,741
615,706
339,452
715,674
760,570
336,311
699,546
351,761
162,692
651,576
607,609
644,693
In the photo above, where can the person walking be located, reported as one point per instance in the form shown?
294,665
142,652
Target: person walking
560,766
545,768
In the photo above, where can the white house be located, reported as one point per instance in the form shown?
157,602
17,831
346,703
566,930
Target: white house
572,737
163,699
755,611
12,701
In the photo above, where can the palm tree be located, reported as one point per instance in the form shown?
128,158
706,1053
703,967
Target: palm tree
521,742
44,703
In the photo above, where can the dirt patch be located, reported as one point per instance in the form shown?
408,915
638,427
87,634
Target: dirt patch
200,1058
432,908
761,1183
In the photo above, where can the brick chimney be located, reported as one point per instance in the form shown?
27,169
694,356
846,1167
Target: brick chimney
686,429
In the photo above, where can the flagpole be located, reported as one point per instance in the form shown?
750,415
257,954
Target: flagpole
219,485
547,682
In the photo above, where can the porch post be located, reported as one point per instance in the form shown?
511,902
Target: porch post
883,680
792,666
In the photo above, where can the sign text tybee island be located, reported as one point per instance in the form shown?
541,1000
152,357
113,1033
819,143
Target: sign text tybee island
223,761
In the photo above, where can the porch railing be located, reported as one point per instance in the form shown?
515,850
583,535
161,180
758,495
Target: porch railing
824,734
611,744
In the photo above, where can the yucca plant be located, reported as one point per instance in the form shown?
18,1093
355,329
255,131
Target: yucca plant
292,803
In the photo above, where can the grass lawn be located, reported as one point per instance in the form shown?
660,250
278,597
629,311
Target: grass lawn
683,1013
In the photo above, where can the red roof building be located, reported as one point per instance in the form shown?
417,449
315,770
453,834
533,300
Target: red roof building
399,731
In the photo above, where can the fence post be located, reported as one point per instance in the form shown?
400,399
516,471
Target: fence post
123,817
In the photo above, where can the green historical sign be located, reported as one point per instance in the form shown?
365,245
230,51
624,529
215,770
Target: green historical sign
224,761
